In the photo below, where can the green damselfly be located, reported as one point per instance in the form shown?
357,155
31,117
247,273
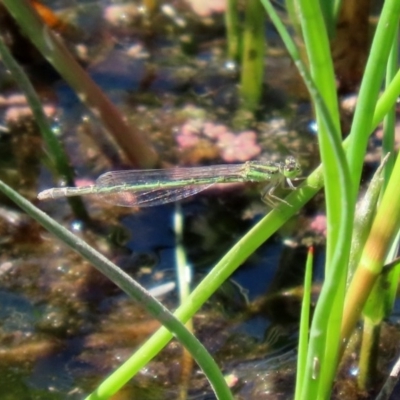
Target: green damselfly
145,188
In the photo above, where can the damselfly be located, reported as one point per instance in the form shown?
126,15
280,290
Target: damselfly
145,188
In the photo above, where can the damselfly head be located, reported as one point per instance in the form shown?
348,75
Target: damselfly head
291,167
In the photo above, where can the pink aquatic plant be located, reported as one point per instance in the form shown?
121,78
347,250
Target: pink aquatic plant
188,135
17,108
232,147
214,131
319,224
14,114
204,8
240,147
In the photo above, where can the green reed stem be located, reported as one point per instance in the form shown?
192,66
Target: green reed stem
56,152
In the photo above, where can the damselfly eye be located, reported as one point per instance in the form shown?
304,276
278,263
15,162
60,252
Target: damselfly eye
291,167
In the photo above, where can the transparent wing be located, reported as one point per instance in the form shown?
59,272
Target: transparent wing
152,197
154,187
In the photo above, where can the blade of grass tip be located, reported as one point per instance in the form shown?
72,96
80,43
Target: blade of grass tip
304,325
130,140
132,289
370,87
57,154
